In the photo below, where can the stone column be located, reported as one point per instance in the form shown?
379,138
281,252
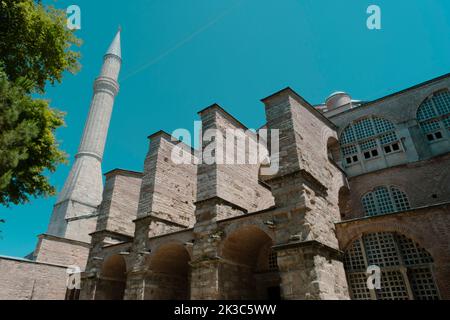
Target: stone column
308,256
205,262
306,191
311,271
135,288
90,277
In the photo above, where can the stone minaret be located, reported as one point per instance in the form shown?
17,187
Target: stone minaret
75,213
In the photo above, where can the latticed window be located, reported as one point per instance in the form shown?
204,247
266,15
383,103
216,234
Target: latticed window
406,268
384,200
273,261
367,138
434,116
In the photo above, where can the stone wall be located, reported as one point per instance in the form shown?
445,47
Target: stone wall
120,202
202,230
231,180
306,191
168,189
307,181
61,251
28,280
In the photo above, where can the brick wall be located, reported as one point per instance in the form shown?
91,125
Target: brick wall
425,183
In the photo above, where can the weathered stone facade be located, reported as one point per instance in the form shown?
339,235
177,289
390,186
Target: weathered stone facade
222,231
26,280
359,184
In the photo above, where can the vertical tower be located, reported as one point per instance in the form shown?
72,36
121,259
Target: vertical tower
75,213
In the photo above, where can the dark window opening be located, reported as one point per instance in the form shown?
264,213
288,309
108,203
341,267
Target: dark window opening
351,159
274,293
392,148
371,154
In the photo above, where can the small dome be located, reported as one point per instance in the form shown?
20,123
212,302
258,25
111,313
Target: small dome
338,99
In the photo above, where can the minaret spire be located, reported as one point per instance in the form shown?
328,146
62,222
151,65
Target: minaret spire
115,47
75,213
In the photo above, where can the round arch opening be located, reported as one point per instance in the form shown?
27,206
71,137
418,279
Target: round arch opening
169,278
249,269
406,268
112,282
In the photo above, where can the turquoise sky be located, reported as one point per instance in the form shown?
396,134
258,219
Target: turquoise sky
180,56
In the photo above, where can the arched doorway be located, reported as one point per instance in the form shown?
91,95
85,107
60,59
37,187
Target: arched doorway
406,268
169,273
112,282
249,268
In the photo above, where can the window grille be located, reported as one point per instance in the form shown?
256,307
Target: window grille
400,200
426,111
433,116
447,122
358,286
422,284
383,125
393,286
406,268
384,200
273,261
442,102
412,254
368,133
368,145
348,136
388,138
430,126
354,259
364,129
369,205
349,150
381,250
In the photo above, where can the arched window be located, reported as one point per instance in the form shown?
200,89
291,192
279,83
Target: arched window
367,138
434,116
406,268
383,200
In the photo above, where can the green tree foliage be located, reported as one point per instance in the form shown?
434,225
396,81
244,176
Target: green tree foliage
27,143
35,49
35,42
